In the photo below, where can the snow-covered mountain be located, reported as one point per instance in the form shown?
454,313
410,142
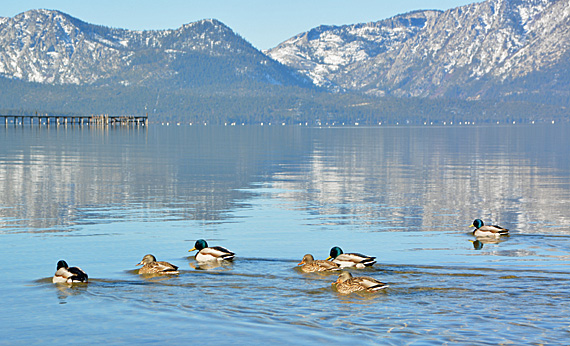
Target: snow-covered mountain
52,47
482,50
495,49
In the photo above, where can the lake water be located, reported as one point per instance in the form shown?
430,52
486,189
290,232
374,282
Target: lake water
102,198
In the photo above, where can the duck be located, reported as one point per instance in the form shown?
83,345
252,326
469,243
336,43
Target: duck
346,283
214,253
488,231
70,275
151,266
310,265
345,260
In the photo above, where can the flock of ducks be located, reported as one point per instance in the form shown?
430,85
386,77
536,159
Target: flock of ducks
336,261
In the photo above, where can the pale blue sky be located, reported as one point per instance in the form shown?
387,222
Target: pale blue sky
264,23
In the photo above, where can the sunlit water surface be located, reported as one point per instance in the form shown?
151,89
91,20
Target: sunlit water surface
103,198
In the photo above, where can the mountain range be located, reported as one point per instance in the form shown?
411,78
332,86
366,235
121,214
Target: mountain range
496,58
495,48
52,47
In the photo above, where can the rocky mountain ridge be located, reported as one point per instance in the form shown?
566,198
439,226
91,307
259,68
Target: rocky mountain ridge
52,47
482,50
497,60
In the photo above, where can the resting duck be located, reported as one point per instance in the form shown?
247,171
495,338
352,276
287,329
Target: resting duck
350,259
347,284
309,265
214,253
65,274
151,266
488,231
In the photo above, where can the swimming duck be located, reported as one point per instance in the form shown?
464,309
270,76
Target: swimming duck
347,284
151,266
487,231
214,253
65,274
309,265
350,259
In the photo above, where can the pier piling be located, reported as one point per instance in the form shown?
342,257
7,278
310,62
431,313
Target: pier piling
101,120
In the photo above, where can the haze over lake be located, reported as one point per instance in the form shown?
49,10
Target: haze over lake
102,198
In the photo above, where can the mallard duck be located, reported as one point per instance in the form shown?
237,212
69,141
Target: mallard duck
487,231
310,265
350,259
214,253
65,274
347,284
151,266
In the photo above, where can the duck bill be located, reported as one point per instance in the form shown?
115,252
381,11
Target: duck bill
328,258
300,263
472,226
192,249
139,264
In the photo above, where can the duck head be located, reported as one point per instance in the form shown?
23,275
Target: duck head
308,258
477,223
343,277
62,264
147,259
335,252
199,245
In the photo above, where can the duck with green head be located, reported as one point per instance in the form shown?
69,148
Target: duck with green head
214,253
346,283
350,259
481,230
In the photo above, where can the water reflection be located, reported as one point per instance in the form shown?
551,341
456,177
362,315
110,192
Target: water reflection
374,179
477,244
209,265
403,195
65,291
416,178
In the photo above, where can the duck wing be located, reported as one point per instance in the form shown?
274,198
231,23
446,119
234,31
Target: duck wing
327,265
494,229
354,259
165,267
78,274
500,229
214,253
369,283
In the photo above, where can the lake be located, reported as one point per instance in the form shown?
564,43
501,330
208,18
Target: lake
102,198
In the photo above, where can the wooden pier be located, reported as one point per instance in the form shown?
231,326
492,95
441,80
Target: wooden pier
102,120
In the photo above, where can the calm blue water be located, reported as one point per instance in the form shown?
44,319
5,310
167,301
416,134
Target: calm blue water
103,198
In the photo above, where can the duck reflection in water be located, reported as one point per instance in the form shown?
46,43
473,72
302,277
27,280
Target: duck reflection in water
481,241
208,265
477,244
65,291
